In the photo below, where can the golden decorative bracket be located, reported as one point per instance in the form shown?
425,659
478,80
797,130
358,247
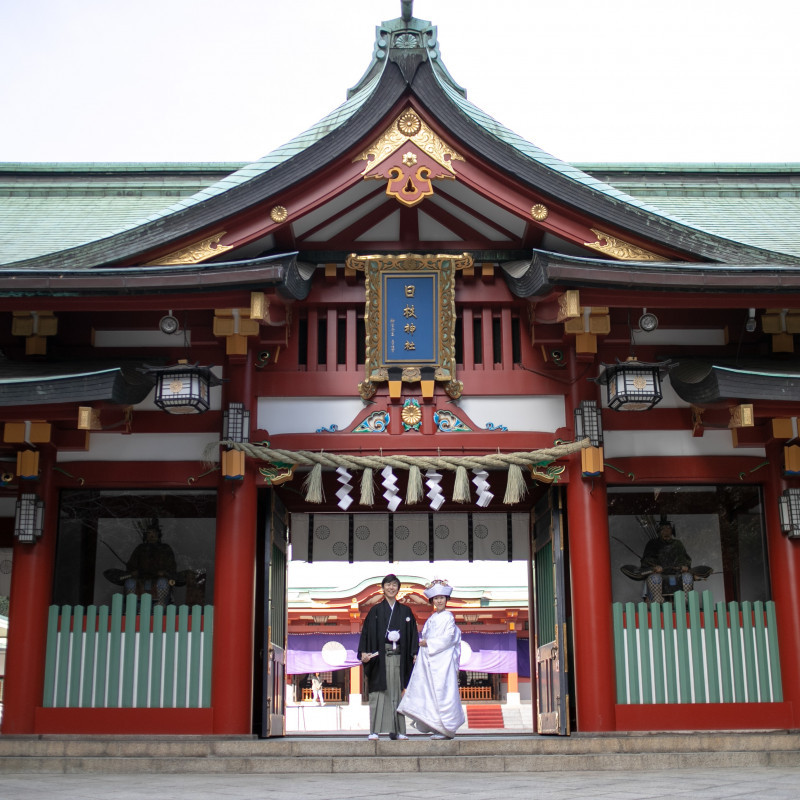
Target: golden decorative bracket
194,253
620,249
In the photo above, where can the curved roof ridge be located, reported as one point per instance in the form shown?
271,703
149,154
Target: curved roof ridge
284,152
397,38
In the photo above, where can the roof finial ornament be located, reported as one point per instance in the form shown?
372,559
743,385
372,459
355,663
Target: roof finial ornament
406,10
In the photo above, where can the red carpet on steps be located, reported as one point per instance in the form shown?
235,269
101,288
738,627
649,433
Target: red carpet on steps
484,717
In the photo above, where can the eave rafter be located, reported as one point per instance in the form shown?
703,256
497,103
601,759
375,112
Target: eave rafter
352,232
349,209
463,229
490,223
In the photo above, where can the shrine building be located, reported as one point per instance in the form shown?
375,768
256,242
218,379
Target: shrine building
407,336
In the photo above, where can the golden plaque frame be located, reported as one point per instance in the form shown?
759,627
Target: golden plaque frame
380,366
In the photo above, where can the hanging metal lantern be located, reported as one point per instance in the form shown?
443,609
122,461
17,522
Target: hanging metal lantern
790,513
236,423
588,423
28,519
183,388
633,385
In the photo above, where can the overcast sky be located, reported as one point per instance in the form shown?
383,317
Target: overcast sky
207,80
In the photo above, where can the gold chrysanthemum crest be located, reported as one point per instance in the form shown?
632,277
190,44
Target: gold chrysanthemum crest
278,213
409,124
409,127
539,212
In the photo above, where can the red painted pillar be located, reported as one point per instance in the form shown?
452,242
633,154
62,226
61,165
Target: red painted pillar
590,582
234,584
784,570
31,582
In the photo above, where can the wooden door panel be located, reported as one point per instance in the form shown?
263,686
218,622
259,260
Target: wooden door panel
273,713
550,616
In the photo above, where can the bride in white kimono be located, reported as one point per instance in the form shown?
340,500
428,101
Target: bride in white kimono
432,700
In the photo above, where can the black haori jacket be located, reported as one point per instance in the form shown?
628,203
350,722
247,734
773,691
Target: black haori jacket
373,638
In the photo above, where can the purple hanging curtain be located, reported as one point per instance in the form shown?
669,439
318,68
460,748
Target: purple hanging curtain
321,652
523,658
489,652
480,652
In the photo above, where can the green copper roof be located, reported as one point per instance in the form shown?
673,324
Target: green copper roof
757,204
49,208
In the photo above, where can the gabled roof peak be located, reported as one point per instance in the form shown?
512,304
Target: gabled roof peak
407,42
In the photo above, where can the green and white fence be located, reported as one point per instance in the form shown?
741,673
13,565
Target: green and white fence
724,654
148,657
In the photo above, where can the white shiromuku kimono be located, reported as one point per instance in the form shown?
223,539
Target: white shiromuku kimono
432,700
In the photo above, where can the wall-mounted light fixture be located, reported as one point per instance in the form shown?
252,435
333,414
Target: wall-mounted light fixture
183,388
169,324
28,518
648,321
236,423
633,385
750,325
790,513
588,423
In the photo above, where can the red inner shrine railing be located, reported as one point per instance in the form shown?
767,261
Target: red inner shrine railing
333,339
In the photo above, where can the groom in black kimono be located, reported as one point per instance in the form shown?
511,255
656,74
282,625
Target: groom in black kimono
387,648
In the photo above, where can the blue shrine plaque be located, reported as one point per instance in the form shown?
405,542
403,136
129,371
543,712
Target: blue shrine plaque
410,308
410,319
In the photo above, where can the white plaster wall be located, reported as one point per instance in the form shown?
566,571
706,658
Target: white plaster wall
306,414
143,447
671,399
544,413
652,444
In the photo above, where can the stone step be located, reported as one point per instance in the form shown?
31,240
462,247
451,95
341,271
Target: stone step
512,718
338,754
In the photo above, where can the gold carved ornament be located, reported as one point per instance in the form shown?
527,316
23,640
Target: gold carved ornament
620,249
409,174
373,267
278,214
411,415
194,253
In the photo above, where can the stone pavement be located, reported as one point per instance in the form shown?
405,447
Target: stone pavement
774,783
